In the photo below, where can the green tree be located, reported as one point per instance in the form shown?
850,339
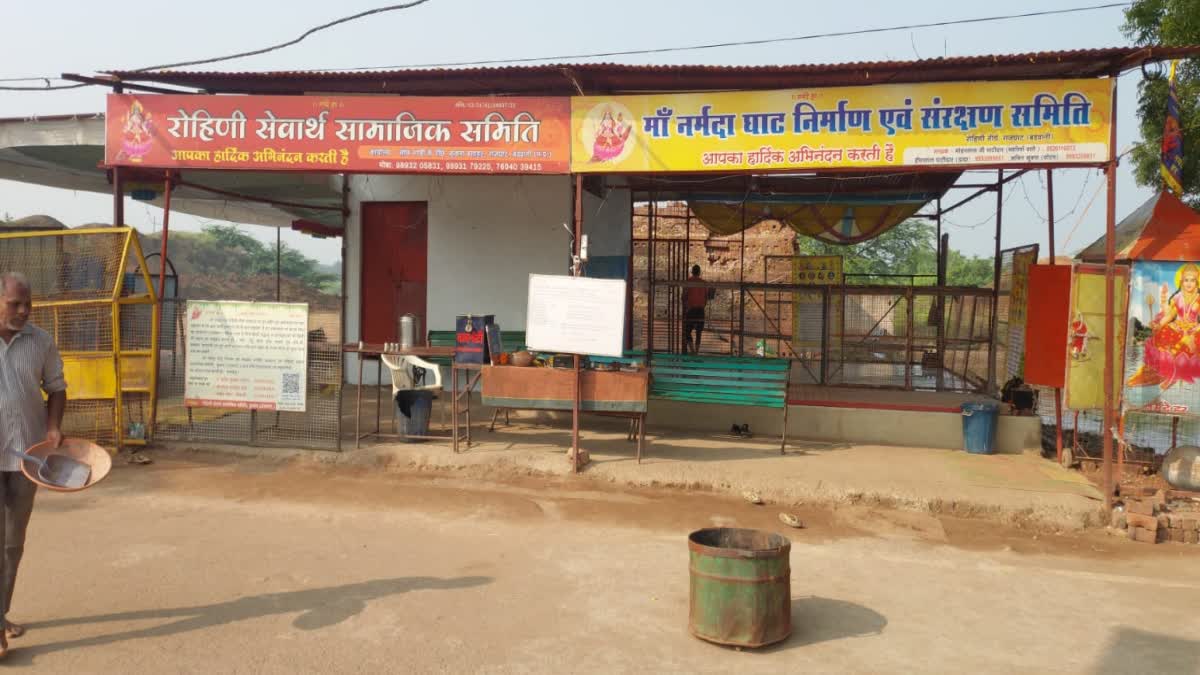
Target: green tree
251,256
972,271
1169,23
907,248
224,251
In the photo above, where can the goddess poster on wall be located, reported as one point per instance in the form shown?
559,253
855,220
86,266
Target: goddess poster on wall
1163,357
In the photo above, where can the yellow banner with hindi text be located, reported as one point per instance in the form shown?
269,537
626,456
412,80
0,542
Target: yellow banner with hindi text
948,124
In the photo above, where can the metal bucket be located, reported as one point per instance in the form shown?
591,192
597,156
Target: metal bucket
1181,467
741,588
409,328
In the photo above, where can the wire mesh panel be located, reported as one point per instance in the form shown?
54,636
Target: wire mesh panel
316,427
679,242
75,265
1010,311
873,338
900,331
1145,437
102,328
968,338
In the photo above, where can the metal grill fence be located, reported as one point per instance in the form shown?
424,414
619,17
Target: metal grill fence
884,331
102,326
1145,437
1010,333
319,426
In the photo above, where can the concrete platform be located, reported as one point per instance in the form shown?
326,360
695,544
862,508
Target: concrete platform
848,425
828,414
1020,488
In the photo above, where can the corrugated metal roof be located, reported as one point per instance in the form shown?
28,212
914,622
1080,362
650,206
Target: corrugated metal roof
612,78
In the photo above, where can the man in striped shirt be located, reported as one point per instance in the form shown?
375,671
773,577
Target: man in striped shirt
29,365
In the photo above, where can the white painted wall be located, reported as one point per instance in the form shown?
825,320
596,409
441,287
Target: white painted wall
487,234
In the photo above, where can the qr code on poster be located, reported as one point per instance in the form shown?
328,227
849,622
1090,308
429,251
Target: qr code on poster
290,383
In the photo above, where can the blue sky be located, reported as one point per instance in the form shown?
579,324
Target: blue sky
40,40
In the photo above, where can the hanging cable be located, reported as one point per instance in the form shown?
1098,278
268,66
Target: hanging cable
217,59
567,57
744,43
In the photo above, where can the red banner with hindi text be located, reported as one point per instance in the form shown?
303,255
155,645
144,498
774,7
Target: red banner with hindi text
375,134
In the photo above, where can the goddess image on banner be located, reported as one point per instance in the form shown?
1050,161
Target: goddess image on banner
1164,324
1085,362
606,131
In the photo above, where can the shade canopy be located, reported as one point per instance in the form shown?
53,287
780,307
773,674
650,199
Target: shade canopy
1163,228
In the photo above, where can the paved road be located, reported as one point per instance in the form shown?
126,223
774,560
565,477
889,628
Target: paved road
257,568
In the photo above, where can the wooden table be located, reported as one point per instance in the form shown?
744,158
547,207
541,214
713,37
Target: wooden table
602,392
377,351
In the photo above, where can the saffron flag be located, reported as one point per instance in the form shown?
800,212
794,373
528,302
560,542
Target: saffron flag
1172,142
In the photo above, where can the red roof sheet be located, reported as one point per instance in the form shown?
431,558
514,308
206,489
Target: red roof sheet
611,78
1163,228
1173,233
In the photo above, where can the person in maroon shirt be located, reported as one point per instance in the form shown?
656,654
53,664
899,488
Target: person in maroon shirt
695,299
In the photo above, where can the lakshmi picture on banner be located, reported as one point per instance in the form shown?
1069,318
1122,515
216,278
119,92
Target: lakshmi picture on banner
1163,354
607,131
136,133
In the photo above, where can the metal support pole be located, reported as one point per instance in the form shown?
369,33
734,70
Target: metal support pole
943,241
910,296
991,370
118,187
341,369
629,281
687,237
577,271
741,284
162,294
651,212
1058,409
826,291
278,260
118,197
1050,213
1110,254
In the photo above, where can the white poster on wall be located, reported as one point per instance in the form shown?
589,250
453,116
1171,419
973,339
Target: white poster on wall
576,315
246,355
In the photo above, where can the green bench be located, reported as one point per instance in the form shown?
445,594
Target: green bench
722,380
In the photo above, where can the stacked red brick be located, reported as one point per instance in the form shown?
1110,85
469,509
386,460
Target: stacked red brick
1149,521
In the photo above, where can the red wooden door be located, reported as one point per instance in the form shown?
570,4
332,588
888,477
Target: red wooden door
395,267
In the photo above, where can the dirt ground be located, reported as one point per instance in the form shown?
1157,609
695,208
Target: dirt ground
213,564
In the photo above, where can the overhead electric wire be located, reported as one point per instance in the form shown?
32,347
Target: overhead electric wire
563,57
743,43
217,59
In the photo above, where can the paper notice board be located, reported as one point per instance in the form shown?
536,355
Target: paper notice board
576,315
246,355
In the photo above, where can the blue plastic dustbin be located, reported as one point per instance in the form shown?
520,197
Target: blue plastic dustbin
979,427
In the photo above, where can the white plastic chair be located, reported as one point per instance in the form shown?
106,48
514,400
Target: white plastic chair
401,369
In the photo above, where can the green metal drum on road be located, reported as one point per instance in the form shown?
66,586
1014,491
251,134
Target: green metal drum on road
741,591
